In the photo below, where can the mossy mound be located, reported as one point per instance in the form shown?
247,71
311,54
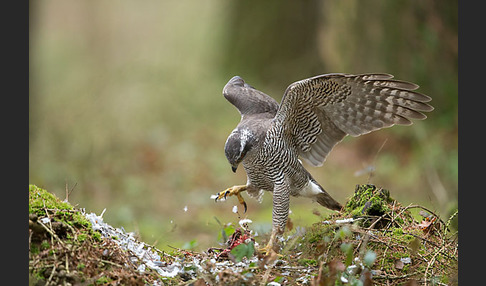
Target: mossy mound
371,204
64,249
369,200
372,224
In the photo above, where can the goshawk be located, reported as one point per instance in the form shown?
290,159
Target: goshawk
315,114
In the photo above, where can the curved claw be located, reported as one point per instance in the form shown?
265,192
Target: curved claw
221,195
233,191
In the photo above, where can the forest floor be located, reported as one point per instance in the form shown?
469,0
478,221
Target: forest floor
374,240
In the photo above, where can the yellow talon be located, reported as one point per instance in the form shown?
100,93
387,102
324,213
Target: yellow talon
269,250
233,191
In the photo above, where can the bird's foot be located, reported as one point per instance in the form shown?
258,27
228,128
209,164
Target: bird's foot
233,191
269,254
269,249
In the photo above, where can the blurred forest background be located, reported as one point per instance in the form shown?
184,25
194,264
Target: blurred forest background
126,106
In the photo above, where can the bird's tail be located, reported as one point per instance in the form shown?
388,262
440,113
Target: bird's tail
325,200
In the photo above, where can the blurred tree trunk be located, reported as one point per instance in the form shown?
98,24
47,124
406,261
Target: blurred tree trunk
413,40
272,42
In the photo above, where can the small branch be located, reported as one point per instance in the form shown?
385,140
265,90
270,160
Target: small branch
52,274
432,261
30,240
69,192
394,277
112,263
425,209
51,233
67,263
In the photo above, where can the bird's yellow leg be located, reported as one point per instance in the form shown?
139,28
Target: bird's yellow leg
269,248
233,191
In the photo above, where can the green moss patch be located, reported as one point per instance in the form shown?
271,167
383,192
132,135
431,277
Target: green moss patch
40,200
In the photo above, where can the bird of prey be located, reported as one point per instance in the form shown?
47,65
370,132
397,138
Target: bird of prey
315,114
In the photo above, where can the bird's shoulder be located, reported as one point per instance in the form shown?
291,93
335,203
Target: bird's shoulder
256,124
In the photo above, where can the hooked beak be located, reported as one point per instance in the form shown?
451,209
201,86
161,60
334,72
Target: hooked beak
233,168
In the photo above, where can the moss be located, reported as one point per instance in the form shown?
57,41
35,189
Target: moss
317,233
79,220
34,249
307,262
103,280
96,235
82,237
368,200
397,231
316,238
44,245
39,199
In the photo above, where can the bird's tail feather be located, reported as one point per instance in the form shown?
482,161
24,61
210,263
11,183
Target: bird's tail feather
325,200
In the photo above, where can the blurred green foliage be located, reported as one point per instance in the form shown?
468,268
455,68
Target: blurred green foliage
125,102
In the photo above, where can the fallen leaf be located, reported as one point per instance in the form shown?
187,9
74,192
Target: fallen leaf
427,224
290,224
243,250
399,264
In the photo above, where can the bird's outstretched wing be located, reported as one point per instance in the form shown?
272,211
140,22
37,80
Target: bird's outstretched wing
248,100
319,112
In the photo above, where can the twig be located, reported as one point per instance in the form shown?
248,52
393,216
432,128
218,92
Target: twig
428,241
425,209
384,255
394,277
63,210
392,221
265,276
432,261
376,221
182,250
450,220
69,192
112,263
67,263
363,243
52,274
30,239
73,231
374,160
51,233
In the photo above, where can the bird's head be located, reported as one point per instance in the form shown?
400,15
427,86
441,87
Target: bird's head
237,145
